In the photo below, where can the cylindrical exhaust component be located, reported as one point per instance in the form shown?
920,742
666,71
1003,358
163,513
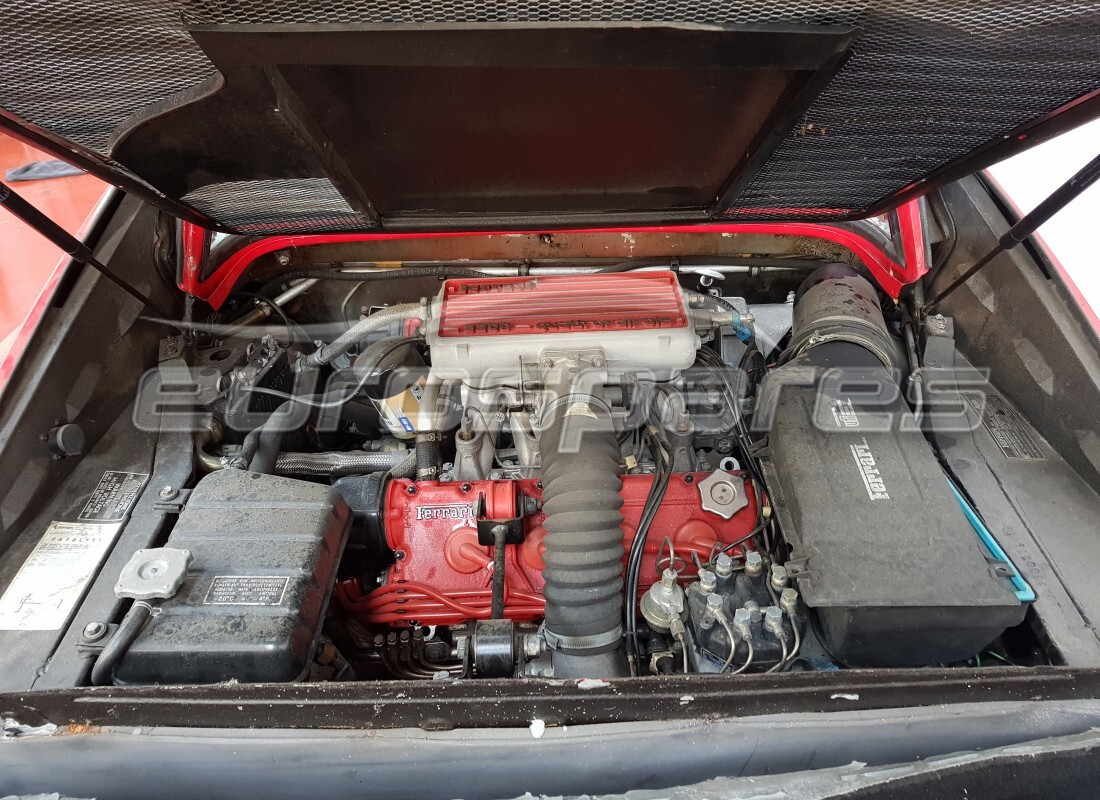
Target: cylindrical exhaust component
584,551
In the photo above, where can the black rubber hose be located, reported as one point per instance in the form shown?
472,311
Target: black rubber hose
584,540
428,458
128,630
269,436
270,441
248,449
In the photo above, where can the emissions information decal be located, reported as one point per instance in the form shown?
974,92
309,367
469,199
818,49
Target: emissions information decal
52,580
113,497
872,477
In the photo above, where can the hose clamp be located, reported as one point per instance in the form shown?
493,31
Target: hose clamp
580,644
576,404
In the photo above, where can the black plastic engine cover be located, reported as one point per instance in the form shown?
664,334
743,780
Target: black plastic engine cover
265,551
881,549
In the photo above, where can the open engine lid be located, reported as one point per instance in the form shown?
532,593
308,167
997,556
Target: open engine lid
260,116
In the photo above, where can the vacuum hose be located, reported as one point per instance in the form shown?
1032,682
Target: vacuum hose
584,550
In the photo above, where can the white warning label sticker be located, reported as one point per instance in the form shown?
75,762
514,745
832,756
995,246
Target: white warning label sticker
113,497
54,576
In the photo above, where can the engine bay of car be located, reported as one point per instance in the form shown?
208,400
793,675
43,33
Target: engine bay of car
561,467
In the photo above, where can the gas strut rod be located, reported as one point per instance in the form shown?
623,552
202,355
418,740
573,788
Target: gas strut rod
1030,222
66,241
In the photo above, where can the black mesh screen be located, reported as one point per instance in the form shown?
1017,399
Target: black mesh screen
276,206
928,82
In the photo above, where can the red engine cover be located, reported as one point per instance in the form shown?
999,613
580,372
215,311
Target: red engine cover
443,576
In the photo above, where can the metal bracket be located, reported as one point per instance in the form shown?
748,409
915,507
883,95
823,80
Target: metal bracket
171,347
93,647
175,504
485,529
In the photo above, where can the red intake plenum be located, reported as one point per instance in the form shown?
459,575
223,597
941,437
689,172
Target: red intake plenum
442,576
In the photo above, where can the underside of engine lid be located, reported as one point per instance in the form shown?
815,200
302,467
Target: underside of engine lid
261,117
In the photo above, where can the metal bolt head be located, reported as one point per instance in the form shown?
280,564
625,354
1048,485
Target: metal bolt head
788,600
533,646
707,581
714,604
755,614
742,622
723,565
94,631
773,620
754,563
167,492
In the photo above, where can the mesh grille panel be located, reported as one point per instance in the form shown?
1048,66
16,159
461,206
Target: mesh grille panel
277,206
927,82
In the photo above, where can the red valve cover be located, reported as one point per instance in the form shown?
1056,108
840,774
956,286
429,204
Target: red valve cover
443,576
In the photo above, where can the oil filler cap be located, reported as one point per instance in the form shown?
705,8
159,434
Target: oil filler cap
154,574
722,494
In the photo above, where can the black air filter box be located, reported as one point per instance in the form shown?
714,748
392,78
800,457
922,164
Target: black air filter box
265,551
881,549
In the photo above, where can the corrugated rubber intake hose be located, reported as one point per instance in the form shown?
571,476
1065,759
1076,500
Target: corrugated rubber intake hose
584,549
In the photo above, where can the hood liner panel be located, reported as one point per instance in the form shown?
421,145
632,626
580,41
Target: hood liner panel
485,120
928,92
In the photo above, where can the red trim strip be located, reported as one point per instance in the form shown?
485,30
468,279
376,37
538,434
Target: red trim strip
912,243
891,275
